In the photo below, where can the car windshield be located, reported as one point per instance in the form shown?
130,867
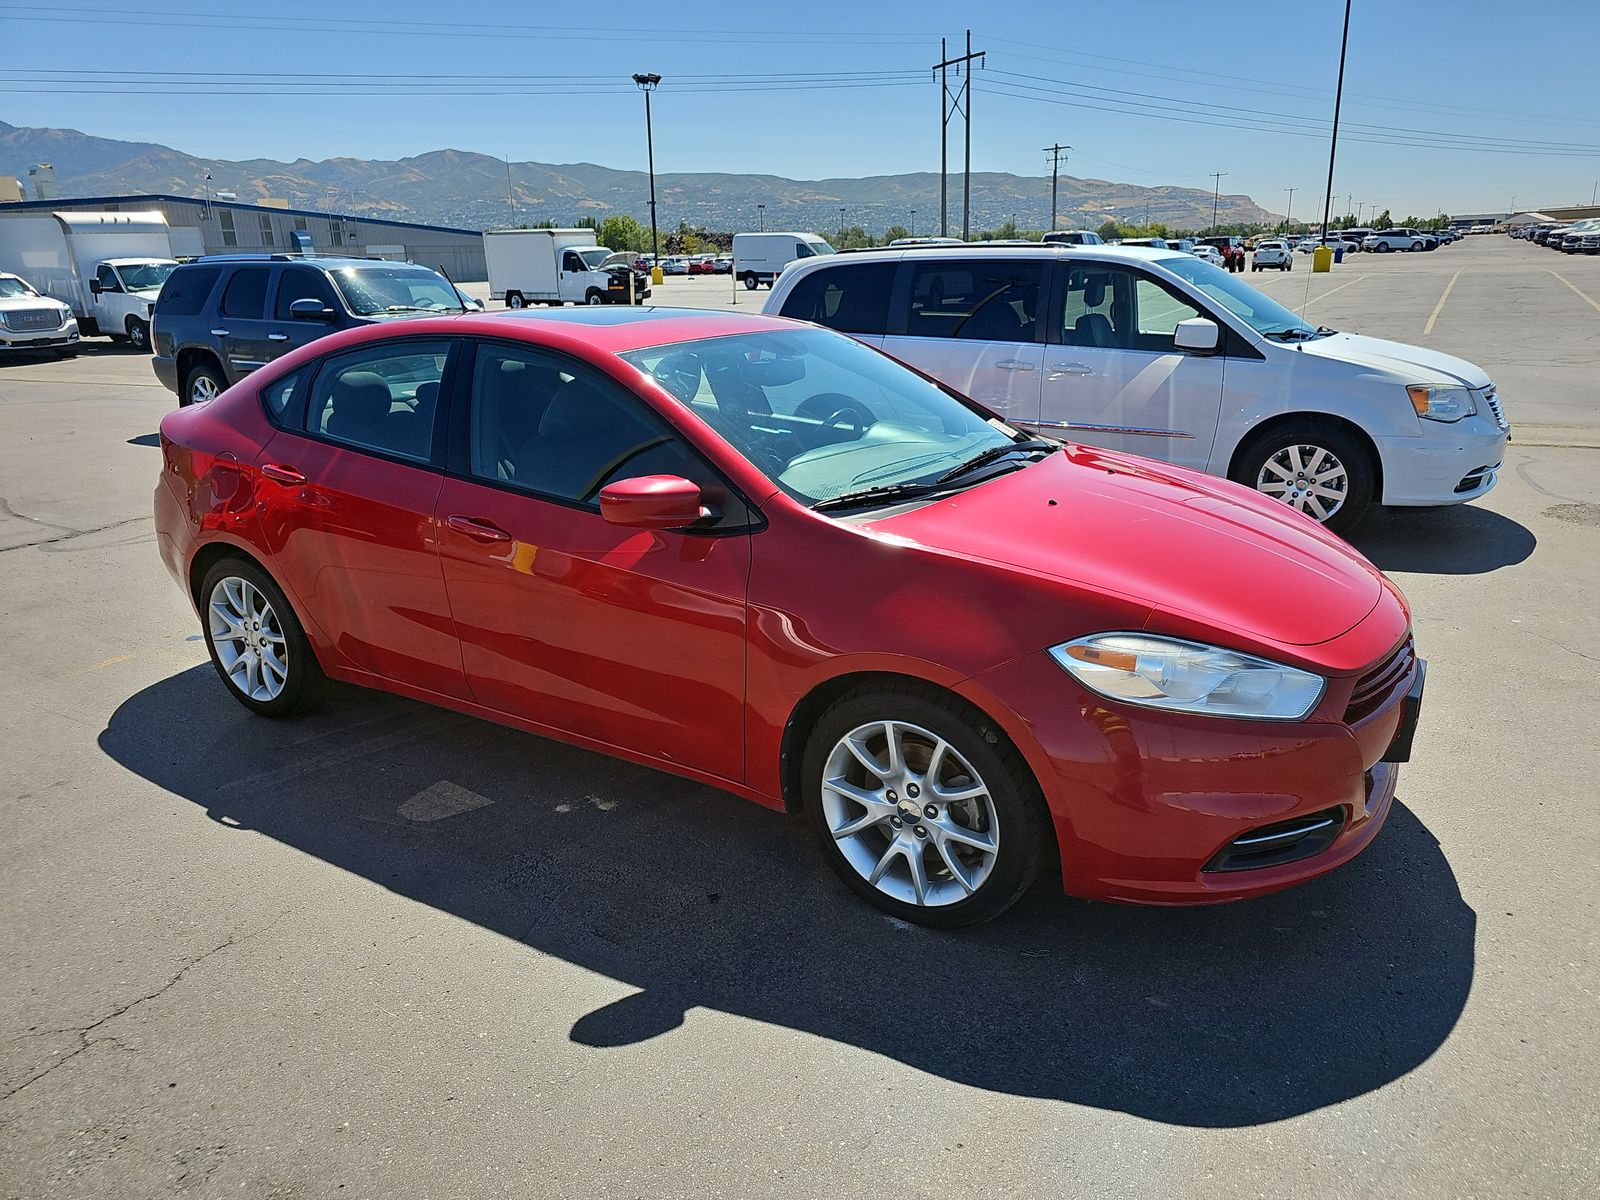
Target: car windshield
824,416
1262,313
382,288
12,289
594,258
138,277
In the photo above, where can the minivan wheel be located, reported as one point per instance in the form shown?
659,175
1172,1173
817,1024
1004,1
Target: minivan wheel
204,382
750,281
1316,468
515,300
922,807
256,642
139,335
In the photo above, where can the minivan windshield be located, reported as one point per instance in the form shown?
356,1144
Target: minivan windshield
384,287
832,422
1262,313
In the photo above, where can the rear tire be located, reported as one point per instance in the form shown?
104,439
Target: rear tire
203,382
750,281
984,841
256,642
1348,469
515,300
1384,247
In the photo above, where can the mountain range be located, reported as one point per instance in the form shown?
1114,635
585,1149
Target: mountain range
470,190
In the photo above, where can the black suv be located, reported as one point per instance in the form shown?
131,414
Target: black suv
221,317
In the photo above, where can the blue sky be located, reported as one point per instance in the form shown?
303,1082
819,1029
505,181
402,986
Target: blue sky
1158,93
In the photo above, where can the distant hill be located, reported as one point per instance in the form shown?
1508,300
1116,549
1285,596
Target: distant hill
459,187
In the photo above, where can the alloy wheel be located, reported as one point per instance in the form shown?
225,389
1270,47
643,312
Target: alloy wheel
248,638
909,814
202,388
1309,478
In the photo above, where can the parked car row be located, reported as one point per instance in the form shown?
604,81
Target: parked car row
1579,237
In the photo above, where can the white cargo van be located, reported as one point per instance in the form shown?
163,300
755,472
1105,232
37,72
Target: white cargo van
107,267
555,266
761,257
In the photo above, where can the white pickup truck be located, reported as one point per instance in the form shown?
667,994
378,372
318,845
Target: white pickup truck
106,267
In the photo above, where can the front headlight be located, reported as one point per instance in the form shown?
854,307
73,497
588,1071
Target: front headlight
1180,676
1441,403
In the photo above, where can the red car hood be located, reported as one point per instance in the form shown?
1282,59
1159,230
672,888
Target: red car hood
1187,544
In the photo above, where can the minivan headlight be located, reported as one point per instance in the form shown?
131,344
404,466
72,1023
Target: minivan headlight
1180,676
1441,403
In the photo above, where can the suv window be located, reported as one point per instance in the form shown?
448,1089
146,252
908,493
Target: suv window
990,300
381,398
852,298
302,283
545,423
246,294
186,290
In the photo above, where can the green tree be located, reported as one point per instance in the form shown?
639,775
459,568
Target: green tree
895,231
1109,230
1382,221
622,232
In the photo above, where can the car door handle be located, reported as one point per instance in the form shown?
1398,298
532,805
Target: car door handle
282,474
482,531
1071,369
1014,364
219,333
277,337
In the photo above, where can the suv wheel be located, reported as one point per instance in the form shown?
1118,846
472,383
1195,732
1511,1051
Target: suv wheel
1314,467
139,335
203,382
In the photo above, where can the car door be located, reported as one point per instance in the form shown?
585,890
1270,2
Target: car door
110,301
242,326
973,324
348,491
1113,376
289,332
632,638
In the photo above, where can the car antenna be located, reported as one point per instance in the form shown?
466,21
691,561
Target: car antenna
460,303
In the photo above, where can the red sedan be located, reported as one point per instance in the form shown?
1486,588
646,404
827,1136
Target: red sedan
766,557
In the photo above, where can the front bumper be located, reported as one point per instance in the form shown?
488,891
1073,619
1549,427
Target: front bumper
1146,805
1453,464
44,339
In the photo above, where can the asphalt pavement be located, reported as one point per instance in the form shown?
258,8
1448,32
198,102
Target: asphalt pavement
389,951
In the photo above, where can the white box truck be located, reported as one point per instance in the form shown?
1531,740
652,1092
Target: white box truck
108,267
555,266
761,257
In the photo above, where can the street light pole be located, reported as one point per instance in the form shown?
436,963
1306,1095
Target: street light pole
913,222
841,224
647,84
1216,190
761,217
1333,142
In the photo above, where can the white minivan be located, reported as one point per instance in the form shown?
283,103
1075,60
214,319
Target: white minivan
1157,353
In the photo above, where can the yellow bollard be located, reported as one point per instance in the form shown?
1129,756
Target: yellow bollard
1322,259
657,278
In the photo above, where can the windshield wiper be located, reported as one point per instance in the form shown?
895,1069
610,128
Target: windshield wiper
994,454
889,491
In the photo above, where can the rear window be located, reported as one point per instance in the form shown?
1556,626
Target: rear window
851,299
185,292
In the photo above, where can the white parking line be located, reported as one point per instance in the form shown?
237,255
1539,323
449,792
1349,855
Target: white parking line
1331,291
1439,307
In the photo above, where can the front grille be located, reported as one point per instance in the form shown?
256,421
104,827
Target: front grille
31,320
1374,689
1493,400
1284,842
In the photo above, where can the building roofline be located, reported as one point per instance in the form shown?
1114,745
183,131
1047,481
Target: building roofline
46,205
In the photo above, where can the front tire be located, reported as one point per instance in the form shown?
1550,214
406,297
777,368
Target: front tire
594,296
138,335
256,642
1313,466
922,806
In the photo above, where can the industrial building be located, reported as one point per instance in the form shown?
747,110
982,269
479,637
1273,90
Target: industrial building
216,226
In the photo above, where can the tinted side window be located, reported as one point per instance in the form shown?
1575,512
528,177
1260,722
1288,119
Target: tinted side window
990,301
302,283
852,299
381,398
185,292
279,397
246,294
555,428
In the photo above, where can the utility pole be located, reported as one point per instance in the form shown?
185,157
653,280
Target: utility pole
1333,142
511,197
1216,191
761,217
1055,168
913,222
647,84
949,104
1289,211
841,224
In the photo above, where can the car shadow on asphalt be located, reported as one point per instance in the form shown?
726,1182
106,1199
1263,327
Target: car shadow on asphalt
1462,539
1221,1016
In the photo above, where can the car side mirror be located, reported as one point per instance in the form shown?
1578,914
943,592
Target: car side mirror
653,502
1199,334
94,286
310,310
